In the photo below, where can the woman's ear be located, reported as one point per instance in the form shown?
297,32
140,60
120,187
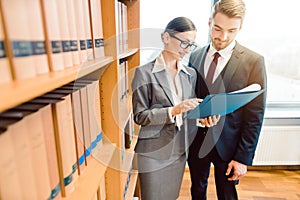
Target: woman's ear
165,37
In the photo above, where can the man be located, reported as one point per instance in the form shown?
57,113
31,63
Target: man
230,145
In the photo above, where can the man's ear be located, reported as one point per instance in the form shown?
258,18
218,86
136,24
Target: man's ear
209,22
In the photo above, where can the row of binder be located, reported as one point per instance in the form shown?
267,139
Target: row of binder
123,80
129,132
47,142
122,27
40,36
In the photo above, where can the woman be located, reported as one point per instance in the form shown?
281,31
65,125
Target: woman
163,91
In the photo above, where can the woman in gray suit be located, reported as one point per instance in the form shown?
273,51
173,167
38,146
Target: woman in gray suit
163,91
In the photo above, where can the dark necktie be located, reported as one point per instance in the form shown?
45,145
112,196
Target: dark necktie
212,69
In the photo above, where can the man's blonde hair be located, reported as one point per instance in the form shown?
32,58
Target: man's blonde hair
230,8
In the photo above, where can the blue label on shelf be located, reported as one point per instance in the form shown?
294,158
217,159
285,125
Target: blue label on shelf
2,50
55,191
89,43
82,45
74,45
56,46
74,167
99,43
81,160
66,45
96,141
99,137
94,144
88,152
38,47
21,48
68,179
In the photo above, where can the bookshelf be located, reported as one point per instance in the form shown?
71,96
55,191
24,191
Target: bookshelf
116,112
88,183
20,91
115,165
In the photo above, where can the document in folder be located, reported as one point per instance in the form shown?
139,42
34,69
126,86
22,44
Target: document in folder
225,103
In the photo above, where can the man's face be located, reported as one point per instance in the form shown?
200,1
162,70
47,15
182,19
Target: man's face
223,30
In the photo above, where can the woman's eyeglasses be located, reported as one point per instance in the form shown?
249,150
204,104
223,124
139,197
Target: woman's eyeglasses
184,44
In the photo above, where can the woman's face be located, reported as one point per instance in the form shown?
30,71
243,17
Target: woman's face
180,44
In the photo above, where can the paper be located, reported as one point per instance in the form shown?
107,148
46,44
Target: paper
225,103
251,88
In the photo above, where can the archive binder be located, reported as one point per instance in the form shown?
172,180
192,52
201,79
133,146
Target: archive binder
9,182
225,103
29,146
49,136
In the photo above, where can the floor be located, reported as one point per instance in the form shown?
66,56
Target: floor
256,185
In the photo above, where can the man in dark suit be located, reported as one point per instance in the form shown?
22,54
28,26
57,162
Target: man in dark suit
231,144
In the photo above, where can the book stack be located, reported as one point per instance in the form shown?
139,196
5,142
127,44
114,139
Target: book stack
39,37
123,79
5,71
49,141
122,27
29,152
97,32
52,61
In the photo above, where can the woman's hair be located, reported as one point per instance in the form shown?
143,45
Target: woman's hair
180,24
230,8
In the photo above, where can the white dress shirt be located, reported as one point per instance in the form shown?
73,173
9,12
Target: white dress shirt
174,82
225,55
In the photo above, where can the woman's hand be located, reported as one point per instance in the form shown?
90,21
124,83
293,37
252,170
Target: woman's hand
185,106
210,121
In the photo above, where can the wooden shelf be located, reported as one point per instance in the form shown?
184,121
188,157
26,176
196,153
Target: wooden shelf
21,91
128,53
125,110
129,155
132,185
133,143
129,184
89,181
116,112
108,162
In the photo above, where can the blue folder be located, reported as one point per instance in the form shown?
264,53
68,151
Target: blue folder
222,104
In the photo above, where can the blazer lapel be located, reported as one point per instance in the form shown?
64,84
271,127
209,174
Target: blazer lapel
232,65
162,80
202,58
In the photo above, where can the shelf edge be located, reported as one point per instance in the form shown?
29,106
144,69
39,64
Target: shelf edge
20,91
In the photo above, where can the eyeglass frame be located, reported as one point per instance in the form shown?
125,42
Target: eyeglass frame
192,46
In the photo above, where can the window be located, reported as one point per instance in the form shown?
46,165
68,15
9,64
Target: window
270,28
155,15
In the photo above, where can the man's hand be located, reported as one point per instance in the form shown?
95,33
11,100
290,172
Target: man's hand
238,170
210,121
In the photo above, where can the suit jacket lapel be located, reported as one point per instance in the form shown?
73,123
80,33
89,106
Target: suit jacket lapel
162,80
202,58
232,65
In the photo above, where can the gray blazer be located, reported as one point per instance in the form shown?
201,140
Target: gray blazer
151,99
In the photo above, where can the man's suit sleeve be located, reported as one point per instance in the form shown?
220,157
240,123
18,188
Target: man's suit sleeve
253,114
